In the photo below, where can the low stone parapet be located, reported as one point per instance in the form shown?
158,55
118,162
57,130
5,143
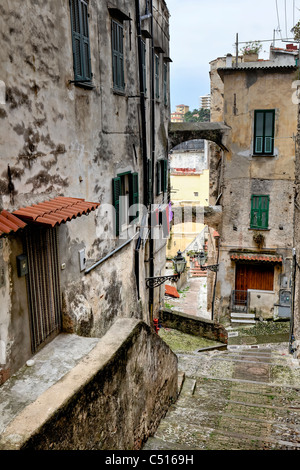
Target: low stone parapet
113,399
193,325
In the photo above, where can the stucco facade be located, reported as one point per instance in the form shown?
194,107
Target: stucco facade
70,137
248,175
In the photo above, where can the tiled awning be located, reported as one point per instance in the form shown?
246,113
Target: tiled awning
9,223
261,258
55,211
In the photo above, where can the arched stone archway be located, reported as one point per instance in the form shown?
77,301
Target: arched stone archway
182,131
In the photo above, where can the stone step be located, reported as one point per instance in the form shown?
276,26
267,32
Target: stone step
242,315
230,401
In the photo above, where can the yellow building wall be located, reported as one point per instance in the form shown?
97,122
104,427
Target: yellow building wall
183,189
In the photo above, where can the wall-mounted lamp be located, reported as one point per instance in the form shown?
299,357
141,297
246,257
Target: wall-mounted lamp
179,264
201,257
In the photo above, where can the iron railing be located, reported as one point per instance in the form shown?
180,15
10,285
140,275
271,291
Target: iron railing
240,301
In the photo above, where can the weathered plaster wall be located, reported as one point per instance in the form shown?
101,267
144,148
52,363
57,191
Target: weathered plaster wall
113,399
60,139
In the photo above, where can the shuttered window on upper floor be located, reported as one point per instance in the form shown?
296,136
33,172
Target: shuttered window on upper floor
264,123
117,55
80,42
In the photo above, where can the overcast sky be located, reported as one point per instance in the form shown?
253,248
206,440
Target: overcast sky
202,30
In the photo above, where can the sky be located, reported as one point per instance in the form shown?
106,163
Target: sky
202,30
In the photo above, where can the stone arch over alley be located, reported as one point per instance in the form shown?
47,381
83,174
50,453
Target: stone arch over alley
216,135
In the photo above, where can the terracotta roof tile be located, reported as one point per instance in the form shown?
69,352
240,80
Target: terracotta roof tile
55,211
256,257
9,223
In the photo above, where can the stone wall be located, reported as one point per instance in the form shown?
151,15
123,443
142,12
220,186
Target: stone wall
192,325
113,399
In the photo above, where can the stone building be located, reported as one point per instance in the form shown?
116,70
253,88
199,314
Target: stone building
252,181
84,142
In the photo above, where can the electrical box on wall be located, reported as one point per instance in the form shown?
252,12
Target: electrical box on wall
22,265
82,259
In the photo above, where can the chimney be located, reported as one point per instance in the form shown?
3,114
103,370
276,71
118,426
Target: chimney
229,61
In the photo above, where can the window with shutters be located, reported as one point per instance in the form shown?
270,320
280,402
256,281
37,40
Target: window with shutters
81,43
157,94
125,200
144,67
259,212
165,77
161,176
264,123
117,55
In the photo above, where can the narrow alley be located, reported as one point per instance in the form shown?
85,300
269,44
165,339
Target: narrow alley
243,398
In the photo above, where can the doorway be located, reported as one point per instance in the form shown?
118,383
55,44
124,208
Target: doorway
255,276
43,285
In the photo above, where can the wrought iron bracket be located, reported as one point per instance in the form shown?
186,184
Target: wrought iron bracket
159,280
212,267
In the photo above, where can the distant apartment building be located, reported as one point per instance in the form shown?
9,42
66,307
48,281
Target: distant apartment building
178,115
204,102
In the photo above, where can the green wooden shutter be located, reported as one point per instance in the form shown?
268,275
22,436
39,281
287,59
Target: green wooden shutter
165,83
165,176
259,212
149,181
144,66
158,178
134,193
264,210
157,76
264,132
259,131
80,40
269,132
117,55
116,202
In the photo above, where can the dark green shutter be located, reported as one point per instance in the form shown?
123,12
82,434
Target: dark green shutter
116,203
149,180
80,40
157,76
259,212
158,178
144,66
117,55
165,175
264,121
134,193
165,83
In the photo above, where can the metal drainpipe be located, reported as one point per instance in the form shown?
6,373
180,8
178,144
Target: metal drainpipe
291,338
152,113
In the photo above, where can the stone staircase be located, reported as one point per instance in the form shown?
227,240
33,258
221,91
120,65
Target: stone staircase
239,399
196,271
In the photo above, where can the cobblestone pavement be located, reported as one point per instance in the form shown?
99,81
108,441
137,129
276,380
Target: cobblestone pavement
245,398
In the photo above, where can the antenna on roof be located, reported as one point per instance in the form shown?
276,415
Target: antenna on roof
237,50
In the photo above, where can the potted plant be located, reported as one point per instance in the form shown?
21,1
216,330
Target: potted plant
251,50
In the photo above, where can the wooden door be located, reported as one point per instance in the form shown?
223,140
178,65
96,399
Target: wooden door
253,276
43,285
